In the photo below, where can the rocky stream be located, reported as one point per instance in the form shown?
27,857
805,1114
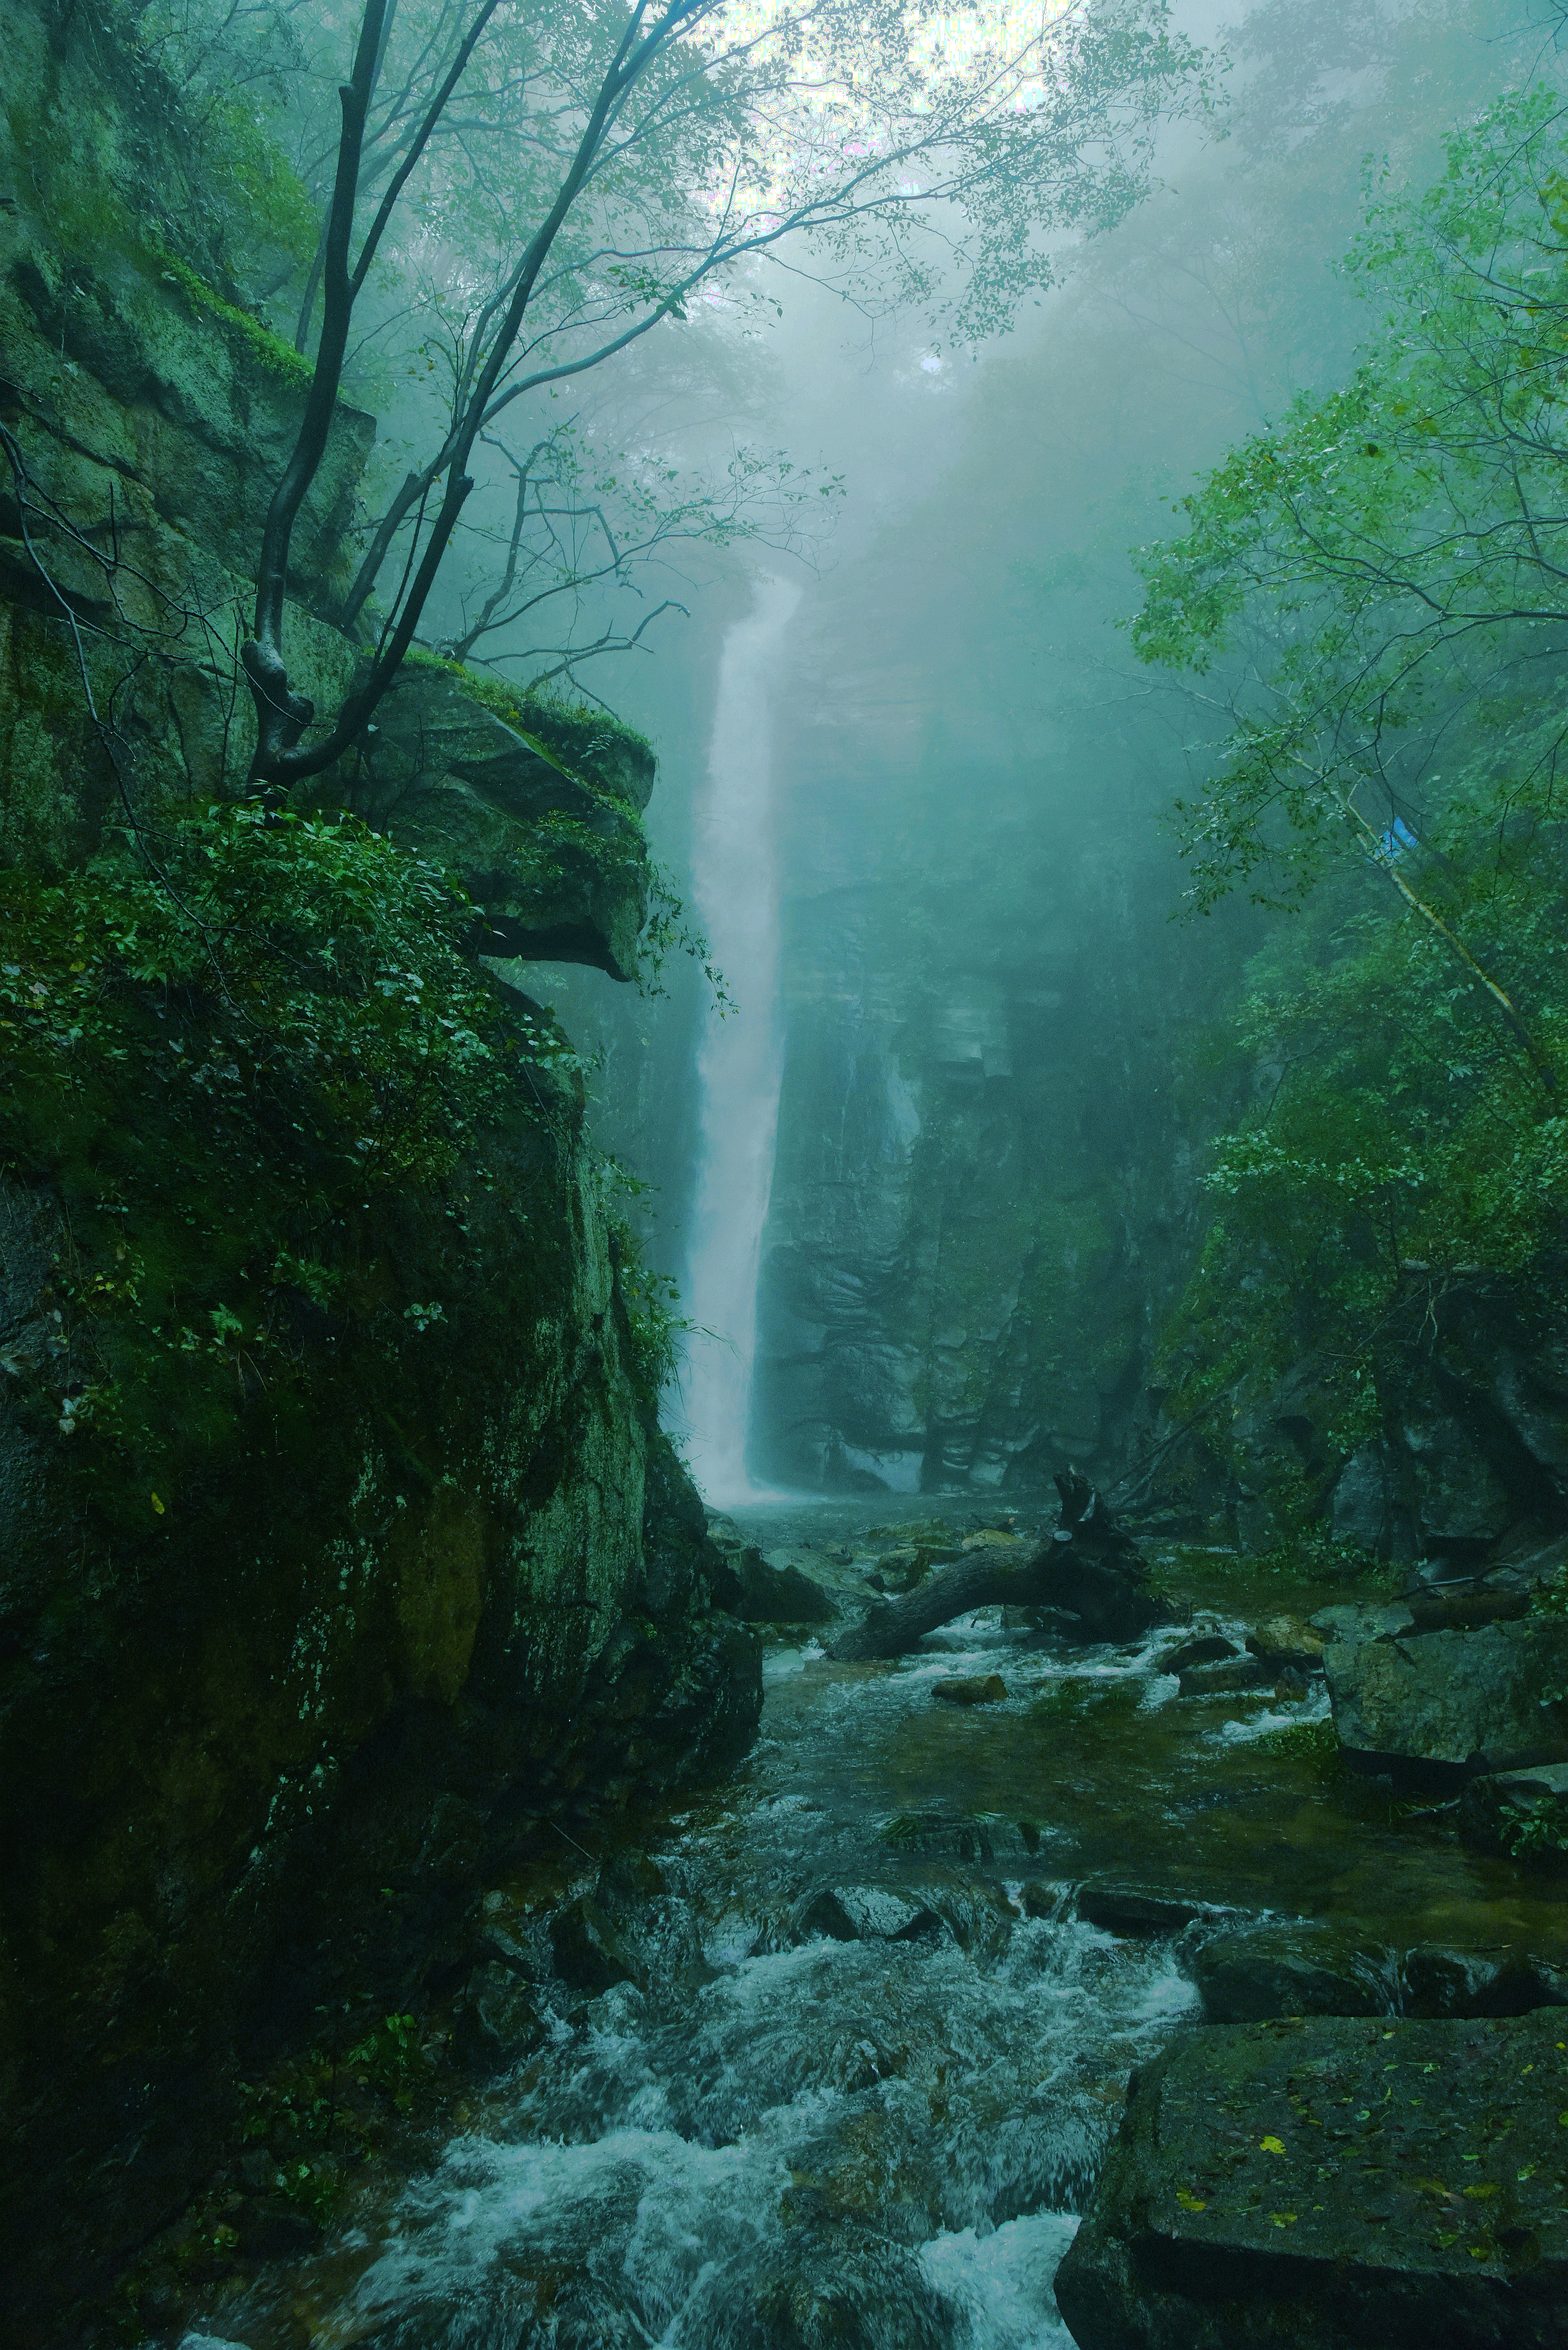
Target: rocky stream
836,2055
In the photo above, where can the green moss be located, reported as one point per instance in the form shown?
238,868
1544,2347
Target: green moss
222,1079
587,742
278,357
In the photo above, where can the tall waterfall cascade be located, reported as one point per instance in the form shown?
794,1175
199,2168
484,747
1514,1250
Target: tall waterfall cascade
741,1061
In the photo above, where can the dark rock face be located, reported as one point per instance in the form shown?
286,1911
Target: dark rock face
436,1579
1436,1708
132,389
589,1954
1305,2183
1478,1434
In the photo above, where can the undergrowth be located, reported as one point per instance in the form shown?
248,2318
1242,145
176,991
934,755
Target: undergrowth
220,1076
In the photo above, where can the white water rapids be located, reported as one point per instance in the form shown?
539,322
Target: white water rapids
739,1064
771,2137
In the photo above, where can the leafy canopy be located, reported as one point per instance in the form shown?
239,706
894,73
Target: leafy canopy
1384,579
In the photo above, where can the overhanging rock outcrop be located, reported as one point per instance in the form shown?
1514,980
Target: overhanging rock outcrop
543,834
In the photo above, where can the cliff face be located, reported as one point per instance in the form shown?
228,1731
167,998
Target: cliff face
1001,1083
986,1195
338,1547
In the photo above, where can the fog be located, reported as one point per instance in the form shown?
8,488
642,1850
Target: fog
985,1192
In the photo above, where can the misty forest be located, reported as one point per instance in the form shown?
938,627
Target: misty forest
783,1174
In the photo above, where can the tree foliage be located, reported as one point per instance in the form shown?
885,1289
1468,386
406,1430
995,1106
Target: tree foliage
1378,592
573,178
229,1074
1383,580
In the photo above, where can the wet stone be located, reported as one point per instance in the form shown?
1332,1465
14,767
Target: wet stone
975,1689
866,1913
1222,1680
1133,1910
1328,2183
1352,1622
1287,1640
749,1586
1248,1974
1436,1708
496,2018
1209,1648
589,1954
1520,1815
1464,1983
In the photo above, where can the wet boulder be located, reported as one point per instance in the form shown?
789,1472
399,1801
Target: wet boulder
1226,1675
590,1954
1246,1974
971,1688
1328,2183
1521,1814
1357,1620
1436,1708
1439,1981
543,834
1133,1910
1286,1641
1207,1648
866,1913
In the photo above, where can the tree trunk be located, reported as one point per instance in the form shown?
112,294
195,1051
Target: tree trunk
1089,1568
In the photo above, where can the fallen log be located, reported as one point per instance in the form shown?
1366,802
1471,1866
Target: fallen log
1088,1567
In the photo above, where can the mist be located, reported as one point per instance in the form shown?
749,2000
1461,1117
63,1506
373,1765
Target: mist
784,1191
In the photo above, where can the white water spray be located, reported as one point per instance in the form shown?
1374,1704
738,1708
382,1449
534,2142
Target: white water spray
741,1062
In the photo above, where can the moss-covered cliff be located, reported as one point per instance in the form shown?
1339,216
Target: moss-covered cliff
338,1547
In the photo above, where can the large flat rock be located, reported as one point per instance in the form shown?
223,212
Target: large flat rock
1334,2184
1439,1707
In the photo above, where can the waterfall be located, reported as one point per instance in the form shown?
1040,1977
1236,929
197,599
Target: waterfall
740,1063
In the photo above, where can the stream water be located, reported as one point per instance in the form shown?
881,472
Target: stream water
777,2138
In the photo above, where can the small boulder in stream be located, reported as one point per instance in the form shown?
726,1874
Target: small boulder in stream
1226,1675
1134,1911
1284,1641
864,1913
971,1688
1207,1648
1329,2182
